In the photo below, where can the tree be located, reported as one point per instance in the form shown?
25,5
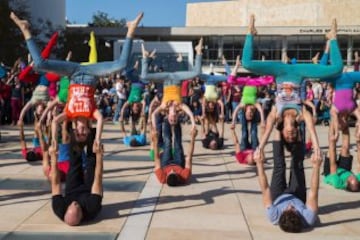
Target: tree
101,19
11,40
42,31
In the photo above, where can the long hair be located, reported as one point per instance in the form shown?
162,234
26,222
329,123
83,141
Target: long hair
212,116
290,145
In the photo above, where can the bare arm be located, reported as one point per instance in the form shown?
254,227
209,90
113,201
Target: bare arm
43,144
154,114
125,105
312,200
187,110
22,136
309,103
228,96
236,110
203,107
64,133
262,117
151,107
310,126
236,140
55,176
270,121
54,125
97,186
11,77
263,182
188,160
335,123
221,104
99,125
154,144
44,148
121,120
222,128
48,108
261,112
205,126
24,110
143,105
144,125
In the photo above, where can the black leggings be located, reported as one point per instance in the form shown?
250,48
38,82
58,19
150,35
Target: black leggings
79,179
343,162
296,184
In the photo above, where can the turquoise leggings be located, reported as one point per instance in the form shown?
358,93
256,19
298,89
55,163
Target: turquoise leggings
294,73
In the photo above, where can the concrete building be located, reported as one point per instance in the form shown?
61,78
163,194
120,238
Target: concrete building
295,27
53,11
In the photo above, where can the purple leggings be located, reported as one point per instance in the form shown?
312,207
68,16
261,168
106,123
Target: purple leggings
344,101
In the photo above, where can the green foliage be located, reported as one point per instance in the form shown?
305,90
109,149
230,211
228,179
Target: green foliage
101,19
13,45
11,40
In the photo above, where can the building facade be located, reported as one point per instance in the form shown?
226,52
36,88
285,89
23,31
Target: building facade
53,11
295,27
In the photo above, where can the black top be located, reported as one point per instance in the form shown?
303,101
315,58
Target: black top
213,136
90,204
80,182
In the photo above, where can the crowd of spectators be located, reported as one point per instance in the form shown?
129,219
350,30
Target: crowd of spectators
112,91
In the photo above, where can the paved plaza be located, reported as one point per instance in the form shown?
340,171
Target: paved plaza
223,200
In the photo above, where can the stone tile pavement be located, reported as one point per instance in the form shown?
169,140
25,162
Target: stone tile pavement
223,200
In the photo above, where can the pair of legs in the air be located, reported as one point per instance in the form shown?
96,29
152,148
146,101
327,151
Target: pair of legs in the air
80,74
167,158
296,185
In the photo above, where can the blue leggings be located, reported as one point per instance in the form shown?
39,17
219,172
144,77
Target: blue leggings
169,78
80,74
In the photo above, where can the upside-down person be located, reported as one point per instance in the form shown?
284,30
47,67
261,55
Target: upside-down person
250,110
64,83
80,105
173,168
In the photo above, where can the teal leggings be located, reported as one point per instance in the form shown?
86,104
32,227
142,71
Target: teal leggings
294,73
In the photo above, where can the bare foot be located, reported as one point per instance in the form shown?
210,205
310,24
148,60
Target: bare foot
22,24
333,31
252,30
223,60
315,59
334,24
335,136
198,47
133,24
179,58
357,135
145,53
286,58
96,146
238,62
153,54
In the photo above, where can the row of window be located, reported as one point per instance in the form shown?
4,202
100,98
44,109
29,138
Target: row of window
303,48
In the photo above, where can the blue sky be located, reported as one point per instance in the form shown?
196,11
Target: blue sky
157,12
